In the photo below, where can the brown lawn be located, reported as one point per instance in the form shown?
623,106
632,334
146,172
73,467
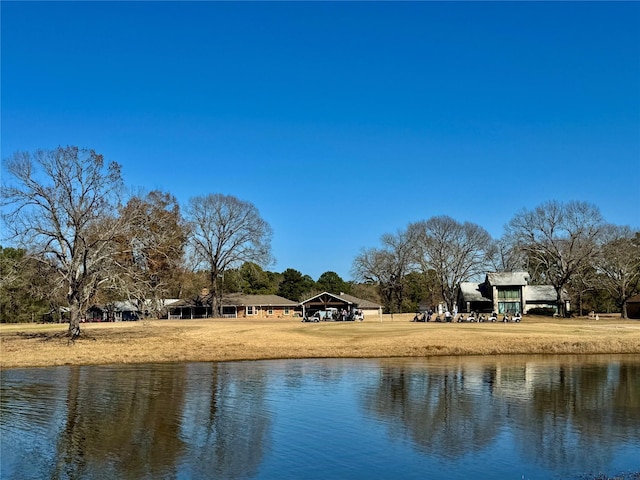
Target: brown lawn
36,345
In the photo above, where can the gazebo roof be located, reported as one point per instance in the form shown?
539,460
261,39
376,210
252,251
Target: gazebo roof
326,298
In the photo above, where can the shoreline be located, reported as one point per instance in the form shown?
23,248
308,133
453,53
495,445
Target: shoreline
221,340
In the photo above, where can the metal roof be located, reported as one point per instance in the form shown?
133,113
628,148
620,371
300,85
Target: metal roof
344,298
541,293
360,302
508,278
471,292
241,299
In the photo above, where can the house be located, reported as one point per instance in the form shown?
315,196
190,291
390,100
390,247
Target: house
239,305
113,312
128,310
325,301
506,292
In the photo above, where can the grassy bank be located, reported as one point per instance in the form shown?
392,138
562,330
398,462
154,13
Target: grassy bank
31,345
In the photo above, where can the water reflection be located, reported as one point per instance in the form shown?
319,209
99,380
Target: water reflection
132,422
561,416
520,416
445,410
225,421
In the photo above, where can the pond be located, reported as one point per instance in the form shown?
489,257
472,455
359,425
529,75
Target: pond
533,417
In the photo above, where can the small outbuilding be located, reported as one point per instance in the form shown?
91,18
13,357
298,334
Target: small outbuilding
633,307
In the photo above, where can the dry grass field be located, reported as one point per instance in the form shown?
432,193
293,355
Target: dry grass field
36,345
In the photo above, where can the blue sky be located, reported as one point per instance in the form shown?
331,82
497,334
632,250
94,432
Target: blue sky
340,121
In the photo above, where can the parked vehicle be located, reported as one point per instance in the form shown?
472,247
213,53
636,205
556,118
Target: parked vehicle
328,315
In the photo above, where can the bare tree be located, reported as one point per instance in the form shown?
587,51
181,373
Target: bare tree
63,206
583,283
505,257
387,267
150,250
376,266
225,232
558,240
456,252
618,263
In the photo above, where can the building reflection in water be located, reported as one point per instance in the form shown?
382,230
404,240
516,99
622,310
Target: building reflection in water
563,415
229,420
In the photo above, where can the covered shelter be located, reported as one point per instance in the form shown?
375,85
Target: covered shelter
182,309
326,301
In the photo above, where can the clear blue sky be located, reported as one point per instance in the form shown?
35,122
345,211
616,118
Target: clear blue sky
339,121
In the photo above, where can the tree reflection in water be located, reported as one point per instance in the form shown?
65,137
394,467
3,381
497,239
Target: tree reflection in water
129,430
434,409
225,421
563,415
577,410
136,422
219,420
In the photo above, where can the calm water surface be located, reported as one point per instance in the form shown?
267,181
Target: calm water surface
448,418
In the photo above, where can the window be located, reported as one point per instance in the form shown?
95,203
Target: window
270,311
508,307
509,299
286,310
509,293
249,310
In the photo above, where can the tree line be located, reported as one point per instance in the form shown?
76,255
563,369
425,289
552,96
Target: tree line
81,237
566,245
